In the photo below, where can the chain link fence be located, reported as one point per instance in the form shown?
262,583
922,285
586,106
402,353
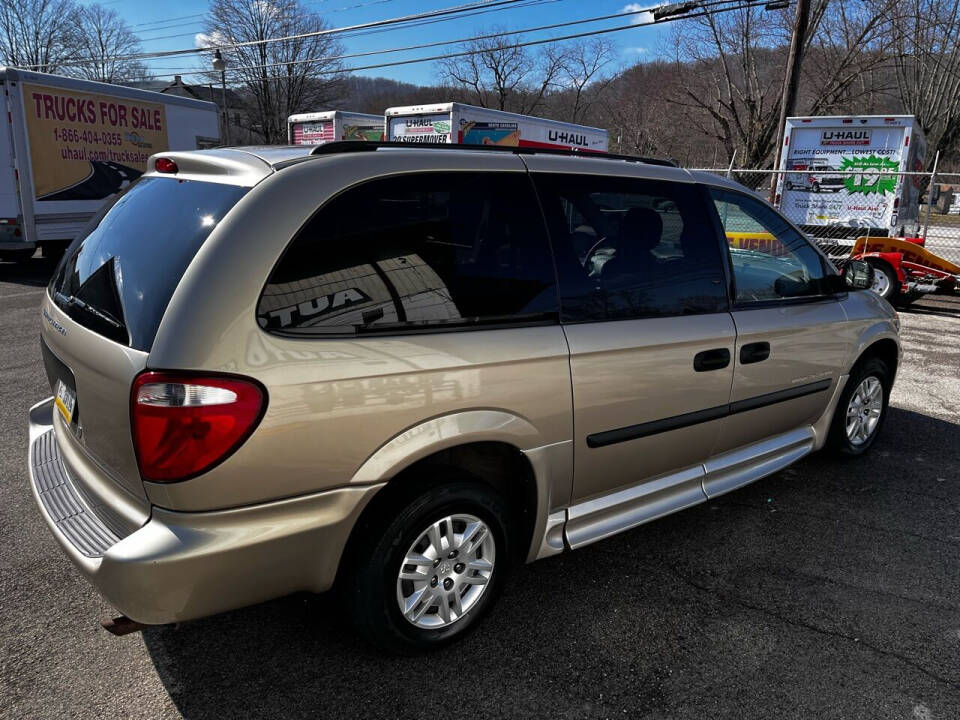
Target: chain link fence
836,207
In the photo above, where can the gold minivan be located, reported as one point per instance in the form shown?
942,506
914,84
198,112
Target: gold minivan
400,371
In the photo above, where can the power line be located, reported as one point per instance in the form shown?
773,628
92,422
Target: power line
201,15
735,5
412,24
192,69
316,33
474,38
198,21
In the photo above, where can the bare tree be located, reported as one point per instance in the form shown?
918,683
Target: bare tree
38,34
280,78
730,68
846,47
493,74
104,38
581,75
926,36
642,121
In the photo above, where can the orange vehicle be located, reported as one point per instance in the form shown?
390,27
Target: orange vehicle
903,268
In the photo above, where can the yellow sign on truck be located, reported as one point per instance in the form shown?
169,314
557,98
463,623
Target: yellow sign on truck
78,140
73,144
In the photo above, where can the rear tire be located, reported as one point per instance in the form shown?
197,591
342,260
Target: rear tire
447,596
886,284
861,410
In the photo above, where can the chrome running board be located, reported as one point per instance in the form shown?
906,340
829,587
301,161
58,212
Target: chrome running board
610,514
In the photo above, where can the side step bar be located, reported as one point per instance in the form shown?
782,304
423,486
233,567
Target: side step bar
602,517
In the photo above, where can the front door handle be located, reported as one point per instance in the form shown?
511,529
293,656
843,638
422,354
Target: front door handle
754,352
711,360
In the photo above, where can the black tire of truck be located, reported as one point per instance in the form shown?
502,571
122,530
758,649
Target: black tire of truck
16,256
53,250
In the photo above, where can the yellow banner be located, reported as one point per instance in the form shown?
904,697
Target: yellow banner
760,241
85,146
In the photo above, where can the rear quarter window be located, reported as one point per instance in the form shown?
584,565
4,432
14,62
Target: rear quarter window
423,250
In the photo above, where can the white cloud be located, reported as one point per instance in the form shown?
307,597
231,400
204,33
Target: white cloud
635,50
205,40
643,15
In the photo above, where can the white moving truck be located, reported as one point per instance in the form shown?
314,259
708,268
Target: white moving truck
322,127
468,125
70,144
840,175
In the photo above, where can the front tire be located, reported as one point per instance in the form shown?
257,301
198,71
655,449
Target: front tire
426,568
861,410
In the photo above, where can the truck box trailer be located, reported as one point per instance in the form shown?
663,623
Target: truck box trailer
468,125
318,128
70,144
838,175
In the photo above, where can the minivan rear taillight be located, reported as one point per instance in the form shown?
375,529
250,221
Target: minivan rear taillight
184,424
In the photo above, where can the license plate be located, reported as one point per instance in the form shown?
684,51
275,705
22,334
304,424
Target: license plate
66,401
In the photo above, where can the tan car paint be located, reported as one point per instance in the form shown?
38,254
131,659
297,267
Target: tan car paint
345,415
334,403
808,343
104,372
635,371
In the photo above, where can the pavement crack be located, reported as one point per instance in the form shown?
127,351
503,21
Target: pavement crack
860,642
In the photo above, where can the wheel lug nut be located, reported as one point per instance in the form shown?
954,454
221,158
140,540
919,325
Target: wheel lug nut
459,567
436,562
433,581
452,554
447,584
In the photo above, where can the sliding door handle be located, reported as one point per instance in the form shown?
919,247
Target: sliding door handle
711,360
754,352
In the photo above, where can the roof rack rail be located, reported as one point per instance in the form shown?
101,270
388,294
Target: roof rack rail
348,146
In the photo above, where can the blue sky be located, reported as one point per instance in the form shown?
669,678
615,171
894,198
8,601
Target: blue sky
172,24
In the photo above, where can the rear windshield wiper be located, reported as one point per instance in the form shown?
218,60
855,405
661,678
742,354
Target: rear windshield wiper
72,301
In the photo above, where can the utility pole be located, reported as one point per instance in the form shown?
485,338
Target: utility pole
790,83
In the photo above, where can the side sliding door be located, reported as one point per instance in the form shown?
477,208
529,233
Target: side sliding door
645,311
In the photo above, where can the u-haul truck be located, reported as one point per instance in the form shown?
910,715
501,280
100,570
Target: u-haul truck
840,178
318,128
71,144
468,125
841,185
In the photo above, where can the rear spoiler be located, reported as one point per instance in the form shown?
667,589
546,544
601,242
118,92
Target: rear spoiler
231,167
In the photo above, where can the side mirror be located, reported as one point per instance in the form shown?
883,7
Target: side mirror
858,275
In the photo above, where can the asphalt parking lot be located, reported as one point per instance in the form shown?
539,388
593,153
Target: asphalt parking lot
830,590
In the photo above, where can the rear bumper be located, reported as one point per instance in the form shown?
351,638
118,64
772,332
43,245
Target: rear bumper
180,566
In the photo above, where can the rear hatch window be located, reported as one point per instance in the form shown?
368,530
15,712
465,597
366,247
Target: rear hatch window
118,277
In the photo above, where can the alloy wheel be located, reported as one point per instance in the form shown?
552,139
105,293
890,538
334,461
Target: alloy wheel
446,571
864,410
